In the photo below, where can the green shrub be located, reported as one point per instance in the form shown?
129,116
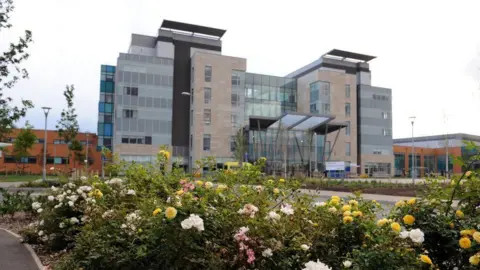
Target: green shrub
14,202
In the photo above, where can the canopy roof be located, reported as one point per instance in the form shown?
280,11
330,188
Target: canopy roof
320,124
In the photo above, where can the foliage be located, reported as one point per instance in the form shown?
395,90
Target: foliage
68,125
241,146
23,143
11,72
43,184
12,203
157,219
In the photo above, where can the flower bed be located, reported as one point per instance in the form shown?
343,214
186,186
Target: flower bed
151,219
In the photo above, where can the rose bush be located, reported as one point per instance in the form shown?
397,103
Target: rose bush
154,219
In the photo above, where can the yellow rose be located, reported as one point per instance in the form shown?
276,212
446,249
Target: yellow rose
412,201
347,219
452,225
281,180
459,214
467,174
98,194
475,259
425,259
382,222
276,190
357,213
270,181
400,203
476,237
164,153
395,227
465,242
346,207
334,202
170,213
208,185
221,187
315,224
353,203
199,183
409,219
347,213
335,198
156,211
180,192
467,232
452,183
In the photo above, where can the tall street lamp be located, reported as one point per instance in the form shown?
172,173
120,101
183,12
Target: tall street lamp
412,119
45,111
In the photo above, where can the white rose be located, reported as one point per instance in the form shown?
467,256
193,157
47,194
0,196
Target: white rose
124,226
40,210
194,221
318,265
70,203
131,192
272,215
404,234
42,222
36,205
54,188
83,178
320,204
69,191
417,236
61,225
58,205
40,233
332,209
74,220
267,253
347,264
304,247
287,209
51,198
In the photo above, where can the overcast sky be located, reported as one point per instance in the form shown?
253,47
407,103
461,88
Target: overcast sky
428,51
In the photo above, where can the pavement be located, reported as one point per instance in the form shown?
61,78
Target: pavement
14,255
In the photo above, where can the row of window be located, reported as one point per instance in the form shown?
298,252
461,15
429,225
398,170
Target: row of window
33,160
105,129
207,118
130,91
146,59
138,78
104,107
41,141
137,140
107,86
207,97
146,102
380,97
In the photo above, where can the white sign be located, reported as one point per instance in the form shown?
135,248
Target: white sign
335,165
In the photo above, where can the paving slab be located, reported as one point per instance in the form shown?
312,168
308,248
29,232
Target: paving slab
14,255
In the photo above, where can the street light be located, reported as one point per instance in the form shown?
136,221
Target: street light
45,111
412,119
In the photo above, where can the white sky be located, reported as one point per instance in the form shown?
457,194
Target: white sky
428,51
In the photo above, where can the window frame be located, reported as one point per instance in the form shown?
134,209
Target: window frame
207,117
207,137
208,73
207,95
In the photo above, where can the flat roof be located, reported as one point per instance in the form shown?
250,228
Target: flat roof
350,55
458,136
193,28
320,124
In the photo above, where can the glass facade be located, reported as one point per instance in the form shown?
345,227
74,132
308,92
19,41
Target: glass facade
399,164
105,106
320,97
269,96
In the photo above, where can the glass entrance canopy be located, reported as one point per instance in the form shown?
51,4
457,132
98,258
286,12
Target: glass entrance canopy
320,124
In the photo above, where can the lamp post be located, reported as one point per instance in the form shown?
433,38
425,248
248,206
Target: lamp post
46,110
445,119
412,119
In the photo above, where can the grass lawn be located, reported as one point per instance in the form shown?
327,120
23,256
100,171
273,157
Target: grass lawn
19,178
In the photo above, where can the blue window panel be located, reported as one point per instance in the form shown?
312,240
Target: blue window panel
110,69
100,129
108,107
108,128
101,106
104,68
103,86
57,160
109,87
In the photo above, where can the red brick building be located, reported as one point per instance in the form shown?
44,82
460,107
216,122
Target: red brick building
57,154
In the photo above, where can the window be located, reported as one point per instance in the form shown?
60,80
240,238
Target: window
40,141
347,90
107,141
234,119
235,78
107,119
131,91
9,159
29,160
233,143
235,100
348,149
124,139
347,109
129,113
108,98
347,129
206,142
387,132
384,115
207,116
148,140
207,95
313,108
208,73
326,108
59,142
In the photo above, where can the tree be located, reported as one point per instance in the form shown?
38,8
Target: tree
22,145
11,73
241,146
68,125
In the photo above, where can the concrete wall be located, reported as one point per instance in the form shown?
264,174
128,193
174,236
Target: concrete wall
221,129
